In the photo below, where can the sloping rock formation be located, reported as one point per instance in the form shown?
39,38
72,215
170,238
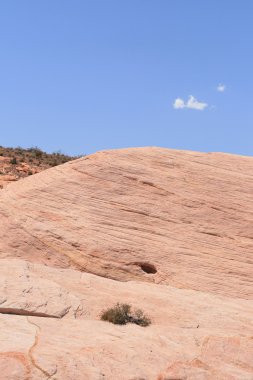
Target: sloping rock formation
169,217
167,231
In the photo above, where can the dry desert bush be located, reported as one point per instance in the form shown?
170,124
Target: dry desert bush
122,313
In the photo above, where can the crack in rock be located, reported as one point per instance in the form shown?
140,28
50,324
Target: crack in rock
31,350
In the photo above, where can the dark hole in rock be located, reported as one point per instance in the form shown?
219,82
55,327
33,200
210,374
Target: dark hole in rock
148,268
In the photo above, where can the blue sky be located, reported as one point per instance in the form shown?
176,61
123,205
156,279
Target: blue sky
81,76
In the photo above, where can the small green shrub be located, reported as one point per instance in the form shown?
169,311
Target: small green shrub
53,163
121,314
13,161
36,152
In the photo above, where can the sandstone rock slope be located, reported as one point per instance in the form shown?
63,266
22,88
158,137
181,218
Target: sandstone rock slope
169,217
165,230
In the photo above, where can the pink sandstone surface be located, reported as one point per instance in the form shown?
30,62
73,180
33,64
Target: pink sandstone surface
167,231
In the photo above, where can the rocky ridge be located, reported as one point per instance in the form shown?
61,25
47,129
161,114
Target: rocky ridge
18,163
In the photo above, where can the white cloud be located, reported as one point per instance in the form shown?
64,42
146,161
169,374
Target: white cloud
221,87
195,104
178,103
192,103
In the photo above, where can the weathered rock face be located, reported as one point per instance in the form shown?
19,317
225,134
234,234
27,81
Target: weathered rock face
166,231
23,292
170,217
193,335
